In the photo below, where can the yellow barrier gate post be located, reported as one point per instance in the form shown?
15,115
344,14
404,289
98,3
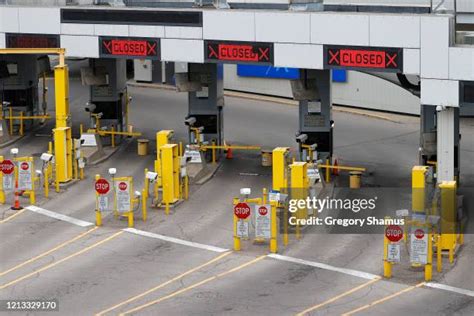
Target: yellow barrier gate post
98,213
280,160
170,165
299,189
418,184
448,217
273,227
237,245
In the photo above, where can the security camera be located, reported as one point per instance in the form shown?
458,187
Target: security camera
112,171
301,138
38,172
6,103
82,141
137,193
46,157
90,107
14,151
313,146
439,108
151,175
245,191
190,121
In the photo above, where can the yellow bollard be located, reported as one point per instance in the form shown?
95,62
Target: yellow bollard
237,246
186,187
144,199
429,263
213,151
21,123
81,130
328,172
274,232
75,167
112,136
285,227
439,262
387,265
130,219
46,181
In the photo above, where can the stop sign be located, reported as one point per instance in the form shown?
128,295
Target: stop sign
102,186
262,210
242,210
24,166
122,186
419,233
7,166
394,233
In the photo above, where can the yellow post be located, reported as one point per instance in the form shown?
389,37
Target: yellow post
81,129
181,152
113,136
162,138
274,232
236,237
418,175
170,174
10,110
439,261
448,217
46,181
429,262
21,123
76,167
98,214
130,219
2,193
186,187
299,185
285,226
81,170
144,211
62,132
328,170
33,177
387,265
280,157
213,151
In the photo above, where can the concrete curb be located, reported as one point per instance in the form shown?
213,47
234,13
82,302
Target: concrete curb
264,98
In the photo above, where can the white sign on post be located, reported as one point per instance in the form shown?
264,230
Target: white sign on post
419,245
262,221
122,191
393,252
25,175
103,203
242,229
7,182
195,156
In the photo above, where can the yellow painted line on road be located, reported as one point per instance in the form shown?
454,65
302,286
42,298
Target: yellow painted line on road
12,216
136,297
384,299
215,277
335,298
61,261
48,252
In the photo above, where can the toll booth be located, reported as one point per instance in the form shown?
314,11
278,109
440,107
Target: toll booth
313,91
204,84
108,98
19,78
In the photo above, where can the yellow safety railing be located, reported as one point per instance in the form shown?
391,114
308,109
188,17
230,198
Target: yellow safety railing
21,117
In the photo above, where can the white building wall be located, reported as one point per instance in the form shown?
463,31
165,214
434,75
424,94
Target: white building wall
361,90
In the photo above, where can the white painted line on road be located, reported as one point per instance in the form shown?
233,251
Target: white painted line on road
58,216
359,274
449,288
175,240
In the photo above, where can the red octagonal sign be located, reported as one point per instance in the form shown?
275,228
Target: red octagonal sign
123,186
102,186
394,233
7,166
242,210
262,210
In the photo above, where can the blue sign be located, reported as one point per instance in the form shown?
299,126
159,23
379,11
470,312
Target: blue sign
339,75
267,72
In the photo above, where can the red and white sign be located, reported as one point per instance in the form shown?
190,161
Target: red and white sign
419,245
7,166
394,233
262,221
25,176
123,195
123,186
242,210
252,52
419,233
129,47
102,186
